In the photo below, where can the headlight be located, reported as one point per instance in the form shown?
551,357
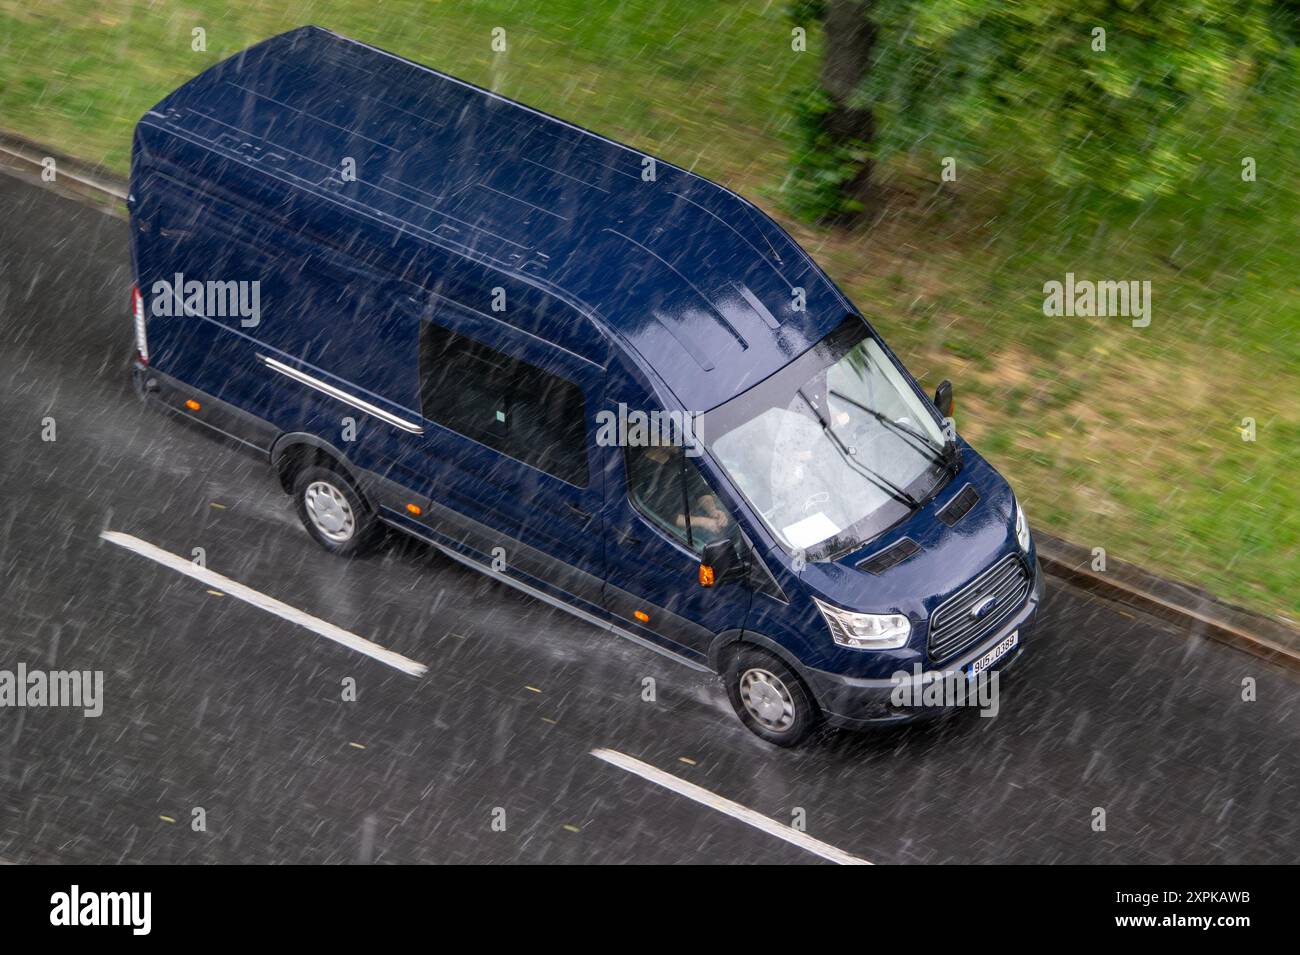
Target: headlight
1022,528
865,631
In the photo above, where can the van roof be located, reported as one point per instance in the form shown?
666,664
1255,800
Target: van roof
689,275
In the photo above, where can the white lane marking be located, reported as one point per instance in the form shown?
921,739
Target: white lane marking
233,588
725,806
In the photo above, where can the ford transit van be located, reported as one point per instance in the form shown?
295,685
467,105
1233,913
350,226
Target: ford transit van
605,381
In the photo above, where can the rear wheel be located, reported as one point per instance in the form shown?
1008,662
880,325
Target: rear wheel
332,510
770,698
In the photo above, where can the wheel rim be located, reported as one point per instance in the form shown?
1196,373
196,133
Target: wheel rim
767,699
329,511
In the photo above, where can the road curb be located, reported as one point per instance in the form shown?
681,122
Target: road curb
1199,612
75,177
1195,610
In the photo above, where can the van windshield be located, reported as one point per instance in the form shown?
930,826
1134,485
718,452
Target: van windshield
834,448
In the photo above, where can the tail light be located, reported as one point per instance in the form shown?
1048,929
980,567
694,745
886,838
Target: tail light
141,341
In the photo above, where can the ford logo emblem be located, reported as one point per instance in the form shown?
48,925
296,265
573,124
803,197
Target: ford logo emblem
982,607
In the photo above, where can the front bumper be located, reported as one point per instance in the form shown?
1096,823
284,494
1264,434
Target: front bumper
856,703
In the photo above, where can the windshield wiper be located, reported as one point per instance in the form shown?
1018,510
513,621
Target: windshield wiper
949,456
879,480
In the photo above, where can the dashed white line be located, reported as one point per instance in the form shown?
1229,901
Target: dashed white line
725,806
234,588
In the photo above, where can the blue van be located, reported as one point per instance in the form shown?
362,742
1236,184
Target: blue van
606,381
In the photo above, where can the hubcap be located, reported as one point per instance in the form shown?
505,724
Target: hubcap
330,512
767,699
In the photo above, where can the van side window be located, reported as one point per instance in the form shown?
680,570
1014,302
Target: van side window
670,491
509,405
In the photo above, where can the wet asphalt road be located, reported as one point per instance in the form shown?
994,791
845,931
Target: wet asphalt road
212,703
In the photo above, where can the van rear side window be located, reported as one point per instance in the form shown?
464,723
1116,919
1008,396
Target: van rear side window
507,404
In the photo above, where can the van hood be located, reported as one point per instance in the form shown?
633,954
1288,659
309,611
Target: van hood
916,565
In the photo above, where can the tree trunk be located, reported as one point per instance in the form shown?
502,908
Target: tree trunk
850,37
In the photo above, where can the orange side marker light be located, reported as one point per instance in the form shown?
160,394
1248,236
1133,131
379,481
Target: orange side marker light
414,509
192,404
641,615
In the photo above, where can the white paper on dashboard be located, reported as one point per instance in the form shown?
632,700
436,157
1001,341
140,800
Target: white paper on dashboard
810,530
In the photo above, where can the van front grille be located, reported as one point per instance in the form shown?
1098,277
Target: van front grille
954,627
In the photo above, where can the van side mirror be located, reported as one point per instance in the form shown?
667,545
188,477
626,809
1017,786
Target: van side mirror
943,398
720,562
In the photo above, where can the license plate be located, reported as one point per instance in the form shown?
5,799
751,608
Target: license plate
1005,646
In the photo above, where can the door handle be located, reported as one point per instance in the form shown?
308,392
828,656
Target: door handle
585,515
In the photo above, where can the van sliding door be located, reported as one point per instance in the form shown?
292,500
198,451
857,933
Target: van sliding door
502,470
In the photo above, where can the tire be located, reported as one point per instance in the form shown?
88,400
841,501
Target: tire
334,513
770,698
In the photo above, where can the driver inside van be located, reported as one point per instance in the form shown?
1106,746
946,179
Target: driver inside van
656,474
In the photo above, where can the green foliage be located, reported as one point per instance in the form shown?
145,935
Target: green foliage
957,77
805,12
820,166
948,71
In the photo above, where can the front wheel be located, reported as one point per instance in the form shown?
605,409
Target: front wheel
770,698
332,511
